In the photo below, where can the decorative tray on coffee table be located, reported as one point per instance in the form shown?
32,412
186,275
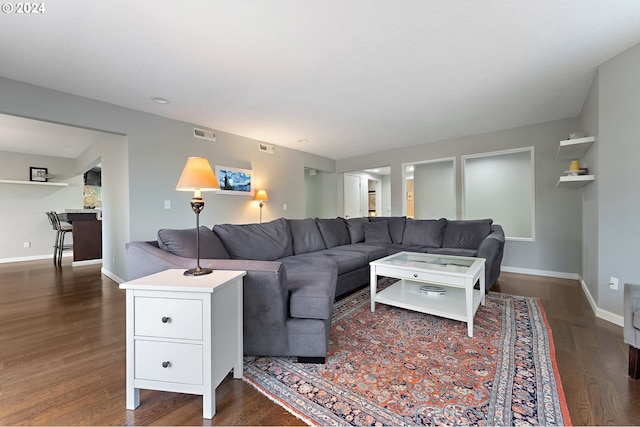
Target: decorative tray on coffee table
432,290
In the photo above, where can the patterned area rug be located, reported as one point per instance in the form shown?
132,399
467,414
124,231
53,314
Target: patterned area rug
398,367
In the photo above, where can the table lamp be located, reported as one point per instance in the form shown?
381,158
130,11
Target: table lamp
261,195
197,176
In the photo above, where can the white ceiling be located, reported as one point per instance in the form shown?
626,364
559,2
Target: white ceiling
20,135
351,77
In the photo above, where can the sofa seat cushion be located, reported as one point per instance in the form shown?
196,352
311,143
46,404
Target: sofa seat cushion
454,251
467,234
268,241
183,243
345,260
373,252
396,226
334,232
312,287
424,232
305,236
395,248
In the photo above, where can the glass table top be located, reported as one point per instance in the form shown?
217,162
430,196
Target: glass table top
454,264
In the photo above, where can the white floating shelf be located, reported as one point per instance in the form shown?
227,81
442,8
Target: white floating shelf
574,149
575,181
50,184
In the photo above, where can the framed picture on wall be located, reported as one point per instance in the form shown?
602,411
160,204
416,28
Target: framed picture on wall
235,181
38,174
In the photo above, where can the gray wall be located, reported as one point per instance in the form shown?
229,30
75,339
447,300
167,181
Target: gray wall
23,207
589,125
617,175
146,173
556,250
319,194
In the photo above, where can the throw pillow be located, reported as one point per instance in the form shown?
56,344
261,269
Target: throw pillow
377,233
268,241
396,226
424,232
305,236
334,232
466,234
183,243
355,226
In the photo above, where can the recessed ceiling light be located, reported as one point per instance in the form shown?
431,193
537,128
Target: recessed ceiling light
303,141
160,100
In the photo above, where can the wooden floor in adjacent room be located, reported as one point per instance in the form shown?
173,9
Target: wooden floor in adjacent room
62,356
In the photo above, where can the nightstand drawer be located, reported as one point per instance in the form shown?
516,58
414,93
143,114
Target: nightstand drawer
168,318
168,362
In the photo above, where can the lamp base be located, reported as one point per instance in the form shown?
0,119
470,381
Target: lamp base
198,271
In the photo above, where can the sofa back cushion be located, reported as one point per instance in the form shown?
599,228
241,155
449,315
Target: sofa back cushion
183,243
396,226
467,234
355,226
424,232
334,232
268,241
377,233
305,236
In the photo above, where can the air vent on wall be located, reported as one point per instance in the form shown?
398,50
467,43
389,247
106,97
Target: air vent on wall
266,148
204,134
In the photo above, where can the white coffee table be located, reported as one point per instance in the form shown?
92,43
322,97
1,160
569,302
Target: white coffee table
457,275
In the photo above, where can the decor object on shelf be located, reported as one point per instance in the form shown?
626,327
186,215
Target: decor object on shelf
574,165
261,196
197,176
234,181
39,174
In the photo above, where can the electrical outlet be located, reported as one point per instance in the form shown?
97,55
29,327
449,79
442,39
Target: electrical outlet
167,204
613,283
27,244
284,207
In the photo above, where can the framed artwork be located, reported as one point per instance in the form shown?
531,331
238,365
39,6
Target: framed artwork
38,174
235,181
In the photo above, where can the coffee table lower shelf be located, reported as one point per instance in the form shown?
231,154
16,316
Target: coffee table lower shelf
406,294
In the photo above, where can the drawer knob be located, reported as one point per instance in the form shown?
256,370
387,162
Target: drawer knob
166,364
166,319
415,274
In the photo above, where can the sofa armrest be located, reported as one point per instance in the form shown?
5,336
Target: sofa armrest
492,250
631,305
265,292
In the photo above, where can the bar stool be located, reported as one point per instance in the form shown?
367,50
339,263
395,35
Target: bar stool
61,231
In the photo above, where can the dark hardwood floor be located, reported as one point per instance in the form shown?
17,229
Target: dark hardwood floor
62,356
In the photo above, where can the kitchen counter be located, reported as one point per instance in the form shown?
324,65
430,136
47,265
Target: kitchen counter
87,232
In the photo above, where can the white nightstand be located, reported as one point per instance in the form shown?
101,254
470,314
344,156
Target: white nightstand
184,334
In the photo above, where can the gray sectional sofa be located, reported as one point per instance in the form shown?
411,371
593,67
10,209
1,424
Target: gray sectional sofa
297,267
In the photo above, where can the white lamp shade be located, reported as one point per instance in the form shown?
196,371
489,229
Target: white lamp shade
197,176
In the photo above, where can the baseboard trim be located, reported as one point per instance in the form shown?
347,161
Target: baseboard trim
30,258
545,273
86,262
616,319
111,276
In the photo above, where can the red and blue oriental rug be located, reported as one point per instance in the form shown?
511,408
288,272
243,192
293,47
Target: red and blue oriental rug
398,367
